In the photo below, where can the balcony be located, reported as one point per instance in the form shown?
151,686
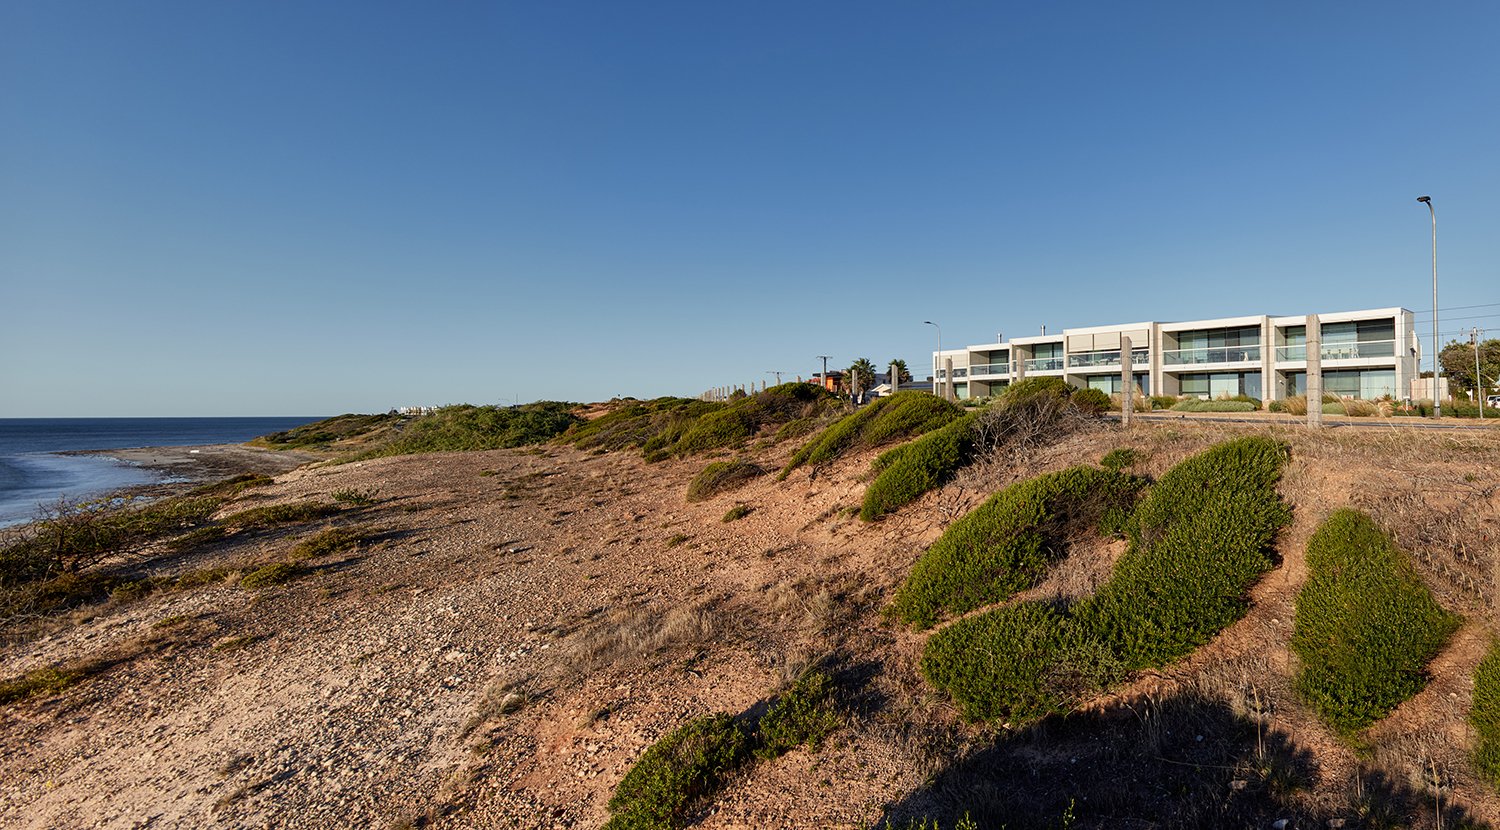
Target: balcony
989,369
1045,364
1341,351
958,372
1138,357
1192,357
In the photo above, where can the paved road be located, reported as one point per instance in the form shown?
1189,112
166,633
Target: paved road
1403,422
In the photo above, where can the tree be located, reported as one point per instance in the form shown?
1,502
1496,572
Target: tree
1458,364
902,375
861,375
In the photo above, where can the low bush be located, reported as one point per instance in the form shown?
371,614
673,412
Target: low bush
734,514
1036,387
908,471
358,498
44,681
1366,626
633,424
1195,405
277,573
803,715
1120,458
469,428
1008,543
71,538
1199,538
329,431
743,418
722,477
330,541
1484,715
280,514
996,665
1091,401
1163,401
233,486
675,772
899,416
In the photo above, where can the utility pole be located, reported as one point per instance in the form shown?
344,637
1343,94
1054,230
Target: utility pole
825,369
1478,378
1437,365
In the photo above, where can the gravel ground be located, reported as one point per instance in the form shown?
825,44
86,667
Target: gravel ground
521,626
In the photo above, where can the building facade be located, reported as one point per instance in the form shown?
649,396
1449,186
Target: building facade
1365,354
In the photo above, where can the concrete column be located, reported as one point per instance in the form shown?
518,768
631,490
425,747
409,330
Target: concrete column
1018,358
895,378
1314,371
948,380
1267,362
1127,398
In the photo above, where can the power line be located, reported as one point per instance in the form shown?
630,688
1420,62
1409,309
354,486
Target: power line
1454,308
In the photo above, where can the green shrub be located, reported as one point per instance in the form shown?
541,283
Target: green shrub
908,471
1036,387
322,434
71,538
1120,458
1163,401
895,417
1484,714
358,498
996,666
675,772
275,574
233,486
279,514
1008,543
1276,406
1195,405
633,425
1200,537
721,477
1090,401
801,716
330,541
1366,625
44,681
468,428
739,511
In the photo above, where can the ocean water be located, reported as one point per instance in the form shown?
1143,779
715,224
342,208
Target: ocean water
33,475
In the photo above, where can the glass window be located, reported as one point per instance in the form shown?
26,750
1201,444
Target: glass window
1296,335
1195,384
1374,330
1339,333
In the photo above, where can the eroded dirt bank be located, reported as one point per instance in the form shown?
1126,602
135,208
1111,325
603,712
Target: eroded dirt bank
524,623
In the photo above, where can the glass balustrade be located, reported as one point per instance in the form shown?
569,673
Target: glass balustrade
1231,354
1089,359
990,369
1341,351
1044,364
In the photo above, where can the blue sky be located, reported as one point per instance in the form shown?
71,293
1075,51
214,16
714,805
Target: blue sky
312,208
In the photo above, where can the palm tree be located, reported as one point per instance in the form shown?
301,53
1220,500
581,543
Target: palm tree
861,375
902,375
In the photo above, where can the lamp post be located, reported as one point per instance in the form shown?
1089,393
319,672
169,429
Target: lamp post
776,373
1437,365
936,356
824,358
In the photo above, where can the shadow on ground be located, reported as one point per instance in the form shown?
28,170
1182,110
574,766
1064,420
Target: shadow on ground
1180,762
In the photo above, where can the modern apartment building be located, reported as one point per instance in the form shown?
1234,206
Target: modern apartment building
1365,354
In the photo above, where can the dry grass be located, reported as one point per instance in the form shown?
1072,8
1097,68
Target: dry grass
639,633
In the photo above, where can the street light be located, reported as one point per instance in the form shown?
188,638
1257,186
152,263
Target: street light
1437,365
776,373
936,356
